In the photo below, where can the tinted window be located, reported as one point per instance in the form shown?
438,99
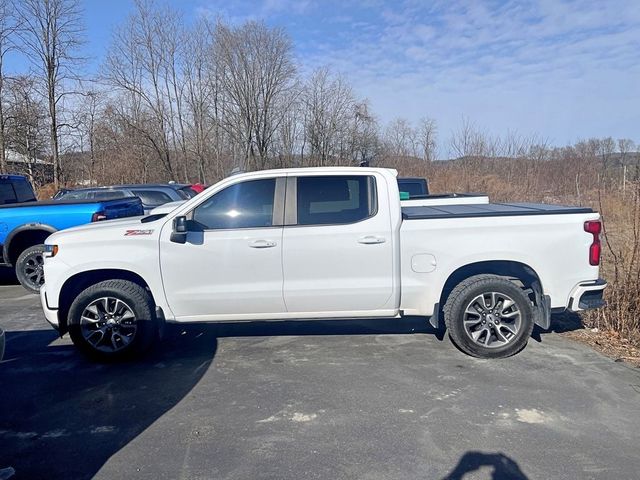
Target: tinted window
71,195
187,192
108,194
243,205
24,192
412,187
152,197
7,195
335,199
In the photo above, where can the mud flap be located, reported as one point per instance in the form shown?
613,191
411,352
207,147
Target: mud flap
542,313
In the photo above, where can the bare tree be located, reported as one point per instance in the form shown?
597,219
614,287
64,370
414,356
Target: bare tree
427,134
8,26
51,32
365,142
627,147
329,107
470,143
137,66
86,118
401,138
26,131
259,78
203,94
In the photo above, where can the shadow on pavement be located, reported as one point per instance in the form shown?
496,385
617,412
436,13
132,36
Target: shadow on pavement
504,468
62,416
560,323
366,326
7,276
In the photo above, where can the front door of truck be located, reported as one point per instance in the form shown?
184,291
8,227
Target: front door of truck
231,261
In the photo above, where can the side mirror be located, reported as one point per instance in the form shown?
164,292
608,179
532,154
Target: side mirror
179,233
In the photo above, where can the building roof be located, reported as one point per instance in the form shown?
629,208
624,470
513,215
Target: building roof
15,157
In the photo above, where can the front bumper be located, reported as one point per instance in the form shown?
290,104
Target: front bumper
587,295
51,314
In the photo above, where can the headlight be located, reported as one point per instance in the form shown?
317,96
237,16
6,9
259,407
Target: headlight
50,250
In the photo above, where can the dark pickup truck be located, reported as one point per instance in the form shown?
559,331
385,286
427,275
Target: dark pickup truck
25,226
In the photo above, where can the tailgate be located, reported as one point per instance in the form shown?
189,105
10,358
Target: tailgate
122,207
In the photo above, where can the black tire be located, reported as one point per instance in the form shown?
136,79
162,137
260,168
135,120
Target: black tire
497,334
29,268
112,334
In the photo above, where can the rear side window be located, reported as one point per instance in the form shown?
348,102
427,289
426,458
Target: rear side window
335,199
152,197
24,192
243,205
72,195
413,188
108,194
187,192
7,194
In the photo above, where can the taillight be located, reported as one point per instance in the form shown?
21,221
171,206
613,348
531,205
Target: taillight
96,217
594,227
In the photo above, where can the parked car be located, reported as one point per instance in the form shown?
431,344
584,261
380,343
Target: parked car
323,243
15,189
198,187
414,186
151,195
25,226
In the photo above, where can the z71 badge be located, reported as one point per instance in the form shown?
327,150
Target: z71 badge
132,233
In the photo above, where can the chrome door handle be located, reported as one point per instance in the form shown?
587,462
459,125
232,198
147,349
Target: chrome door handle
262,244
371,239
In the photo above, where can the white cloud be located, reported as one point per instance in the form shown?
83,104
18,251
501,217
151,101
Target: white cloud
565,69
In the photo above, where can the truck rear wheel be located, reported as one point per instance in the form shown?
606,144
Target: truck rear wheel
113,320
489,316
29,268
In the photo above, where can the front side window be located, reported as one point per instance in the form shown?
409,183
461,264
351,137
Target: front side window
335,199
243,205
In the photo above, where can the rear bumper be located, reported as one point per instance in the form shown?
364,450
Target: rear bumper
587,295
50,314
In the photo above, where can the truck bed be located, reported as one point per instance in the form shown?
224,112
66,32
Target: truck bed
488,210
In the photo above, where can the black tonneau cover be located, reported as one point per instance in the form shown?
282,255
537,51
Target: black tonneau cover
488,210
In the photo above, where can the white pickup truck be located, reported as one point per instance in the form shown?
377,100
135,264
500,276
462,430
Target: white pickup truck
322,243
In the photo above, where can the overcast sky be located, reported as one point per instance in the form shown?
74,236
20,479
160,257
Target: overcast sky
562,69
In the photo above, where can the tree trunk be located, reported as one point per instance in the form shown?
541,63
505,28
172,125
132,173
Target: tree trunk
3,152
53,129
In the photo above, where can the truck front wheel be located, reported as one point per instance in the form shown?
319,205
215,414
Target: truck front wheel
29,268
113,320
489,316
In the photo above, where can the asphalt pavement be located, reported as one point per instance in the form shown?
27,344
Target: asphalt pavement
339,399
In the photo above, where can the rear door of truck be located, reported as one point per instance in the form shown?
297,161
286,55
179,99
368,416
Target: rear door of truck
337,243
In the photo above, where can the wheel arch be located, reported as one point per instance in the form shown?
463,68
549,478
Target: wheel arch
514,271
23,237
75,284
